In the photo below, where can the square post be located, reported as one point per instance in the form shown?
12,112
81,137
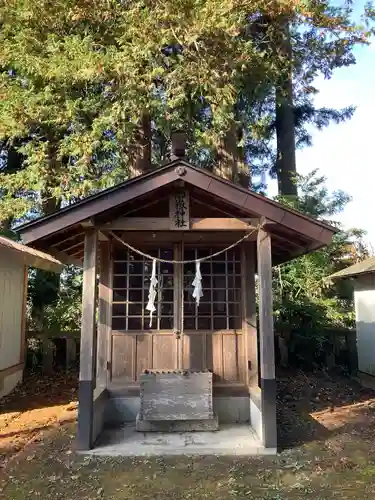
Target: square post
105,310
249,325
251,336
266,338
87,368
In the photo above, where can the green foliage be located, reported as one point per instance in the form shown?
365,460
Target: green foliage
63,313
76,76
306,301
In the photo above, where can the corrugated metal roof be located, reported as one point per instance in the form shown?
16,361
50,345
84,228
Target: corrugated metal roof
363,267
30,256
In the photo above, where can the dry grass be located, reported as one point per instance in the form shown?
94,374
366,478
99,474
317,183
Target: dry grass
327,429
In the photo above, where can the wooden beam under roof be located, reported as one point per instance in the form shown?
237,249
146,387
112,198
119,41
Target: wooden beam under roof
70,248
196,224
206,238
65,258
73,236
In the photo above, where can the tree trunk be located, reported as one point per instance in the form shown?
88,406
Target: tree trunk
243,171
6,227
226,156
47,284
230,161
141,155
13,164
285,127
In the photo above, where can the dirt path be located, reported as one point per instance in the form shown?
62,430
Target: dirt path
36,406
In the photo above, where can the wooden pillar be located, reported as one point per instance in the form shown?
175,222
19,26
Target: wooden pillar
266,337
250,314
105,313
177,294
88,343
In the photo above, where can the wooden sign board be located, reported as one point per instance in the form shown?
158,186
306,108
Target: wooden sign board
179,210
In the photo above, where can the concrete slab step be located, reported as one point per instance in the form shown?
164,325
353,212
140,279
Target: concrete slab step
208,424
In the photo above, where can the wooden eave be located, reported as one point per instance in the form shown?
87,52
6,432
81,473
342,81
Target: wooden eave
362,268
29,256
62,233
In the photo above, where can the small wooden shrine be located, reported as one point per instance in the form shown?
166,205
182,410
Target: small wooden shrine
178,252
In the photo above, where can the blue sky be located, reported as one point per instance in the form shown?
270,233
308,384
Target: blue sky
345,153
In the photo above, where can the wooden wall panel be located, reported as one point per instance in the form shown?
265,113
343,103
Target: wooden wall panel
123,350
164,352
225,356
217,357
209,352
242,358
221,352
11,310
230,358
194,352
143,353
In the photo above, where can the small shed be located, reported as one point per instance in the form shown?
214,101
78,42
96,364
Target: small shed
14,261
362,275
147,237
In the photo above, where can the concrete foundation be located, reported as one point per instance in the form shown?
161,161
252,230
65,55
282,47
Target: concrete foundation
124,409
209,424
230,440
10,382
100,403
256,417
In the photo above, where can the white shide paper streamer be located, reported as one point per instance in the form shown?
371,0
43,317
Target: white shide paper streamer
152,292
197,283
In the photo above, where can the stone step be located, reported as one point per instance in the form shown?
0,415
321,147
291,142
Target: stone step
211,424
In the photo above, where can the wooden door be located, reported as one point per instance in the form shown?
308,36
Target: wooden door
138,342
181,335
212,333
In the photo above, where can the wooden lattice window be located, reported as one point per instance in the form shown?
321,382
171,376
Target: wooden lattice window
220,306
131,281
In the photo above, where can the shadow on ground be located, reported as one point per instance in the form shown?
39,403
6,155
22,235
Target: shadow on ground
34,407
41,391
316,406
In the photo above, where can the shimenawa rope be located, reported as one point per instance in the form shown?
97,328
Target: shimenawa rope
202,259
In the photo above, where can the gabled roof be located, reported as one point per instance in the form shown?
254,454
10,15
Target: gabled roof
30,256
295,229
364,267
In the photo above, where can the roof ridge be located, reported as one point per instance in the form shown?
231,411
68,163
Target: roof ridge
165,167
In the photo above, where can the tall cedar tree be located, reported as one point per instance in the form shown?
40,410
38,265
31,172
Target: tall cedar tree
84,84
